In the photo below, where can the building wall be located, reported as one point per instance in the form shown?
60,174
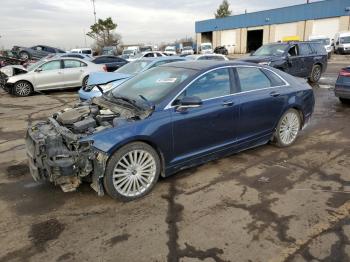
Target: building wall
235,40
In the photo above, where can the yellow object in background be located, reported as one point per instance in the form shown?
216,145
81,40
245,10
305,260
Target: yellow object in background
291,38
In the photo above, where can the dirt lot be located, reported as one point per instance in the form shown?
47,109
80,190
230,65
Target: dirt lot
265,204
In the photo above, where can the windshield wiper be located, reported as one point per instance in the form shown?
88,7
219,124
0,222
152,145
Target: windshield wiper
127,100
149,103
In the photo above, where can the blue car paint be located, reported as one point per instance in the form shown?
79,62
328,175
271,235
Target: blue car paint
185,139
342,85
101,78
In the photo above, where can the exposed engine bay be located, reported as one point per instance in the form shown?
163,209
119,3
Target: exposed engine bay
56,152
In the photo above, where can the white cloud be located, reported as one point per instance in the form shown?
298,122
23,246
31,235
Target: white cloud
62,23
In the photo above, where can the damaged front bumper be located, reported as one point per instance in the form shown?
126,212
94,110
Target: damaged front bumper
57,155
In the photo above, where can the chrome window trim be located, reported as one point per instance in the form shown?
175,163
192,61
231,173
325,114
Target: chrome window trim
230,66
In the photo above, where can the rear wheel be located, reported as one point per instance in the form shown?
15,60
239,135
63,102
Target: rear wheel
132,171
22,88
344,100
315,73
84,83
288,128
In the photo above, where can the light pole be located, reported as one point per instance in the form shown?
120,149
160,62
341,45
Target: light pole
93,6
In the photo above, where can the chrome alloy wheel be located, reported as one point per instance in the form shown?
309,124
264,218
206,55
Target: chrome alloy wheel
289,128
23,89
134,173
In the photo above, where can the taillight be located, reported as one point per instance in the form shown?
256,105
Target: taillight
344,72
105,68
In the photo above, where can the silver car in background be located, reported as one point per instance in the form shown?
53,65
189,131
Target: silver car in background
56,73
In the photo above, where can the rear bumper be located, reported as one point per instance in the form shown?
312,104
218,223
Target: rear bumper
342,92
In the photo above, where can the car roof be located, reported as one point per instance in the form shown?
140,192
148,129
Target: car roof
207,64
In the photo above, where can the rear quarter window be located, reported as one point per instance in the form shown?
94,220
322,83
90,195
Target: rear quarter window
275,79
319,48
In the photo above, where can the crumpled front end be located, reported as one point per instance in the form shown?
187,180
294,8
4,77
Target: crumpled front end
61,150
55,154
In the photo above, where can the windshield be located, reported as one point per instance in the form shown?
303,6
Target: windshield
35,65
134,67
271,50
206,47
128,52
323,41
169,48
154,84
344,40
187,48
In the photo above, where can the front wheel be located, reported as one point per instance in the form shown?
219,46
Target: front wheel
22,88
24,55
315,74
132,171
288,128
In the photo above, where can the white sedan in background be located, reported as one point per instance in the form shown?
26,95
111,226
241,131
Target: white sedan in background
216,57
56,73
145,54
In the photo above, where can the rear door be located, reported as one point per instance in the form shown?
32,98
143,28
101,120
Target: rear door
306,55
205,129
50,75
262,98
73,72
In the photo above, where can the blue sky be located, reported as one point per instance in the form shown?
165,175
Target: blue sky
63,23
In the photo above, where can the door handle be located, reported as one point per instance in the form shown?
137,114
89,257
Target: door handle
275,94
228,103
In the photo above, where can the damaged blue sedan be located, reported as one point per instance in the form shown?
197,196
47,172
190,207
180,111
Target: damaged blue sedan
164,120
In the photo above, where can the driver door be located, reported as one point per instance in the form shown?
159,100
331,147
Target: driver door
200,131
49,75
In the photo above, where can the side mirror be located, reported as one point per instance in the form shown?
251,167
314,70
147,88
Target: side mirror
38,70
189,102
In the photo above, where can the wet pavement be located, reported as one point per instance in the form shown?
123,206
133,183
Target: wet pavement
264,204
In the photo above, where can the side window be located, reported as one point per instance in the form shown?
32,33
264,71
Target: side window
53,65
38,48
159,54
293,51
49,49
72,63
148,55
304,49
274,79
213,84
252,78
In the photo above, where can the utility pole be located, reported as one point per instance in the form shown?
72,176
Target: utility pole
93,6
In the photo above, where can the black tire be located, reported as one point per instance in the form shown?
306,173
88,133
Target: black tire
84,83
108,180
24,55
329,55
344,100
316,73
277,138
22,88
